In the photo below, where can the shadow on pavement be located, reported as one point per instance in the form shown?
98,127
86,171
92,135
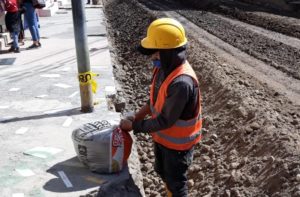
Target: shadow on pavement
68,112
125,188
4,52
79,177
72,176
6,61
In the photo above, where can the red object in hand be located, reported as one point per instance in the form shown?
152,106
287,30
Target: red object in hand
121,139
128,144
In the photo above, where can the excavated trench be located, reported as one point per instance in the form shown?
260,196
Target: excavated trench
275,53
285,23
251,126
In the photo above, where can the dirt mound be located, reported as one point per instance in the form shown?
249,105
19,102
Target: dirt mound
272,21
285,22
275,53
274,4
251,133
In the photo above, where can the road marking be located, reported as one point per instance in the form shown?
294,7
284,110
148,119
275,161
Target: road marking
57,110
14,89
52,111
62,85
50,75
42,152
65,179
18,195
67,122
6,118
4,106
41,96
66,69
25,172
74,94
111,89
22,130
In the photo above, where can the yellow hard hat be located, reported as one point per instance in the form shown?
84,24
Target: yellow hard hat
164,33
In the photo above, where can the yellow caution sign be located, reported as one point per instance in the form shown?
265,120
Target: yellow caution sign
88,78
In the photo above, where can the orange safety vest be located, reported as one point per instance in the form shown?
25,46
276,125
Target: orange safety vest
184,133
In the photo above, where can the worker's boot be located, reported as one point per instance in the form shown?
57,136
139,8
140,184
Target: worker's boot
169,194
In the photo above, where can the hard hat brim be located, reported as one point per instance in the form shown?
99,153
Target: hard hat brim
146,51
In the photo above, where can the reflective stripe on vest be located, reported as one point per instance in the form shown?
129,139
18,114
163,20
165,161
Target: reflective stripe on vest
179,123
179,140
184,133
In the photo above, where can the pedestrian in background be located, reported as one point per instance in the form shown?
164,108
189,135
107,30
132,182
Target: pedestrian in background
22,33
12,22
32,22
2,8
174,105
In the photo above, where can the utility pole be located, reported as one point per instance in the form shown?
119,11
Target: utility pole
82,52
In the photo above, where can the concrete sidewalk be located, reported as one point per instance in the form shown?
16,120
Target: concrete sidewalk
40,107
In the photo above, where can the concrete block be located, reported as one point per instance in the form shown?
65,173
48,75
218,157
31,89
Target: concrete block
62,2
1,44
6,38
49,10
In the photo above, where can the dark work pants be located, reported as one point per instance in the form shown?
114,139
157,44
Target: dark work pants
172,166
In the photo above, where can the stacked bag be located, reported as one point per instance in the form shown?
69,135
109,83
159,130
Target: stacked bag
102,147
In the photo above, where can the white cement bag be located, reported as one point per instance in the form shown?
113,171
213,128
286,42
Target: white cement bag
102,147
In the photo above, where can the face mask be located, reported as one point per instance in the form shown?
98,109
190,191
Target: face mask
157,63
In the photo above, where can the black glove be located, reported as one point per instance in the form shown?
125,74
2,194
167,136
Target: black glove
136,127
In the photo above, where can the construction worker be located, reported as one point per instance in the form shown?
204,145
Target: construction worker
174,105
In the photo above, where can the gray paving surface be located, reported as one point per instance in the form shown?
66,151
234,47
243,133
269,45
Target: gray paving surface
40,107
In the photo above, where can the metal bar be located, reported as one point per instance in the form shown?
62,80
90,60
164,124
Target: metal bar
82,52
